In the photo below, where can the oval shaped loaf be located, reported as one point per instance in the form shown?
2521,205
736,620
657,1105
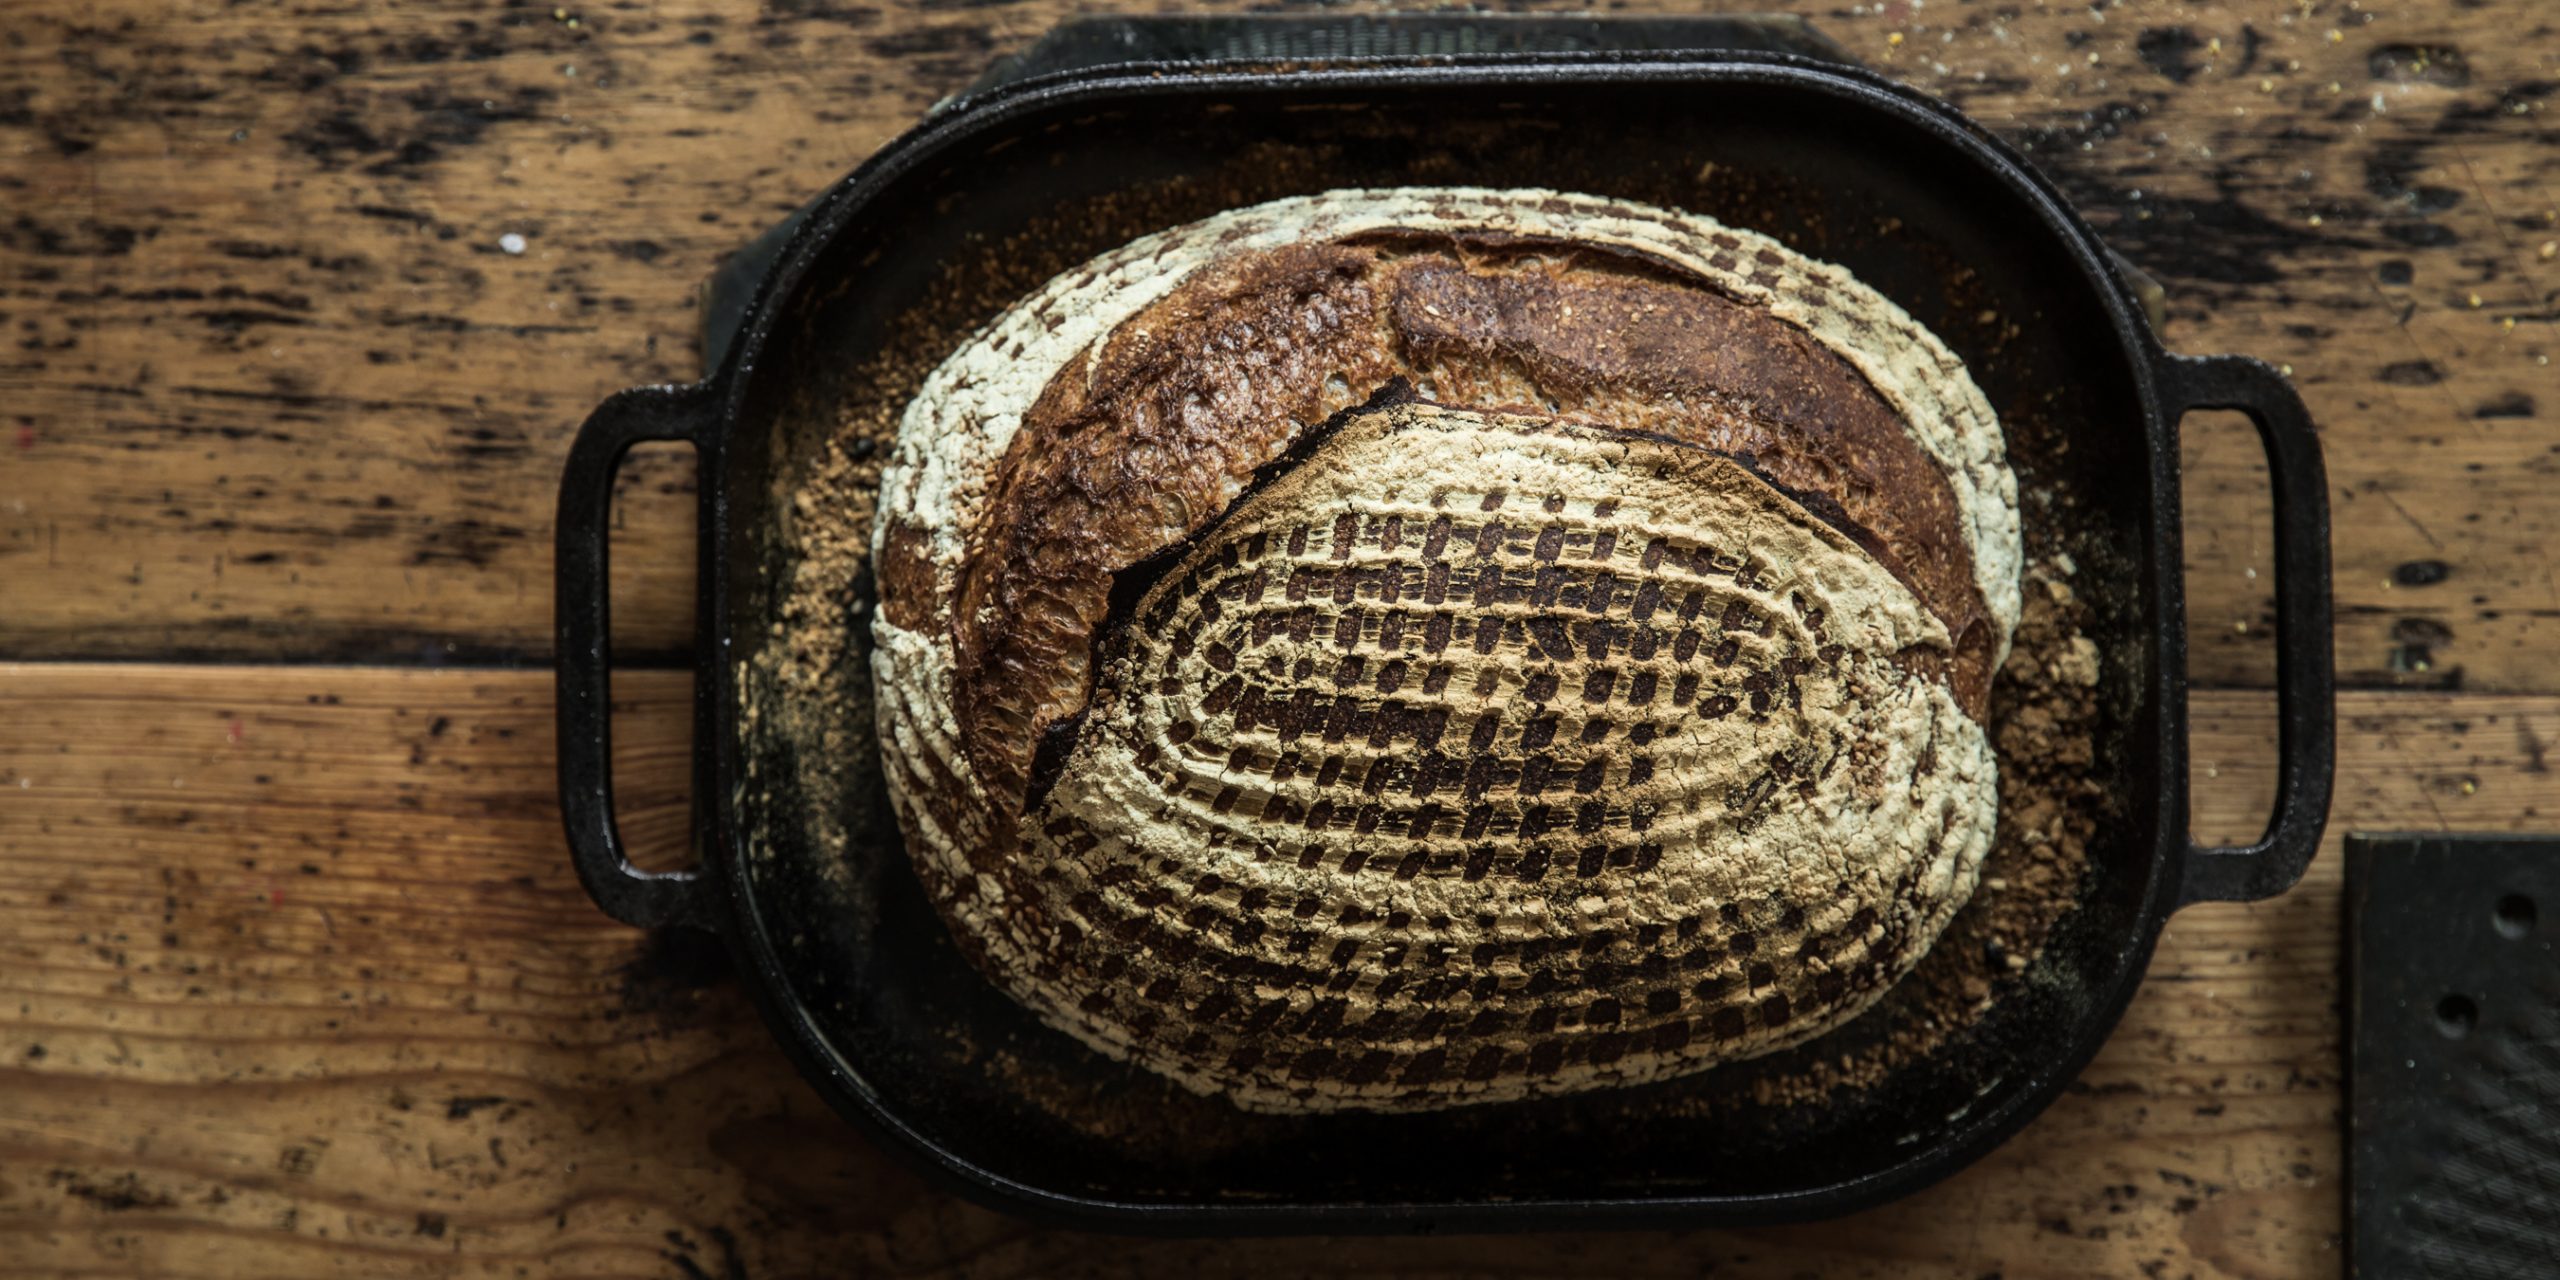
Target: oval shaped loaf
1398,648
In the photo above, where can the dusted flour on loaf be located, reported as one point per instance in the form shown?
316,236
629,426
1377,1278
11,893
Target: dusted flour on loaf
1395,649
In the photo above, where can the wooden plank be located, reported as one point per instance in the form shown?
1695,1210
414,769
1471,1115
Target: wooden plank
279,389
297,981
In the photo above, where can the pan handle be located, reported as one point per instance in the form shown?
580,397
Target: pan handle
2306,710
582,618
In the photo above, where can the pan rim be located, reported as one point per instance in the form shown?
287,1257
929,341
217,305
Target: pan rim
953,127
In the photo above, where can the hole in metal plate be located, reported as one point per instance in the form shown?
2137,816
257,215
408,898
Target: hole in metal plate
2456,1015
2515,916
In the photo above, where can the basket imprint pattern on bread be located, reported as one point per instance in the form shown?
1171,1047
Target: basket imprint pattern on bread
1395,649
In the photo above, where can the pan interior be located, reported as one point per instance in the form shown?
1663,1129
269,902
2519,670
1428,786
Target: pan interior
892,1011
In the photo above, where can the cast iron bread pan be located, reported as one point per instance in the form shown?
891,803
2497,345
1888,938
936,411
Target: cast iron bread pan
1009,185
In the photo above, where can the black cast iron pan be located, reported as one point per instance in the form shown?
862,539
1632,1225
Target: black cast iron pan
994,194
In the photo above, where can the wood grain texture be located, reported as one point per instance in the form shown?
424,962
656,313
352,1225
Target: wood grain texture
294,979
276,388
297,981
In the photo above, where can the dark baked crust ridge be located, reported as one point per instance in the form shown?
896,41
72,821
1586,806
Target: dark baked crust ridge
1208,384
1138,444
1130,585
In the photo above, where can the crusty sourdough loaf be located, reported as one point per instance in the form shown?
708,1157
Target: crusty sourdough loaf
1399,648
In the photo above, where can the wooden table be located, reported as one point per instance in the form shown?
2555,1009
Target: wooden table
303,301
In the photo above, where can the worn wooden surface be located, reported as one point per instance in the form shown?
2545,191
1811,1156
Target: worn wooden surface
266,1018
278,391
303,302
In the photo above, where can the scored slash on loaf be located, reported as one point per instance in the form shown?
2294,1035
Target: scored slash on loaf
1601,702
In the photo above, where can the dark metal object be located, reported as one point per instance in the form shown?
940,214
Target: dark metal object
855,973
2454,1166
1082,44
582,625
1100,41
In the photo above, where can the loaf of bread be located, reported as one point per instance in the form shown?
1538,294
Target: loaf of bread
1400,648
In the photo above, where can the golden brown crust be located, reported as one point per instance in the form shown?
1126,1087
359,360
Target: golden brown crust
1658,610
1125,454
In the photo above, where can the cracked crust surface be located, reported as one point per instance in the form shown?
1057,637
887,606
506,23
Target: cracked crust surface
1609,350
